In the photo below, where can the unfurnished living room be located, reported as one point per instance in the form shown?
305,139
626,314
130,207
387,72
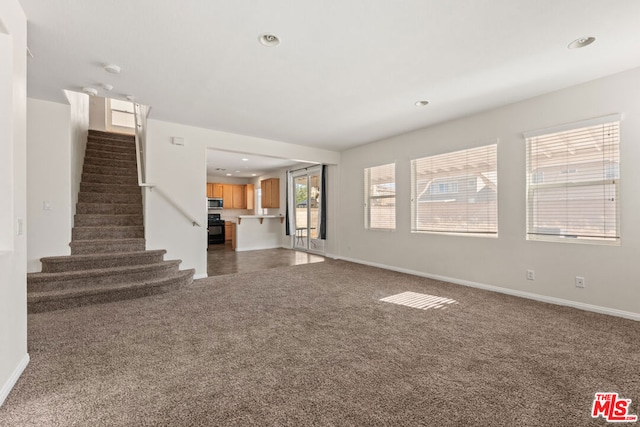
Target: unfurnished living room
417,213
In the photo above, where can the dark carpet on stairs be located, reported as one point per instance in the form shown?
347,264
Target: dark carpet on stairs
312,345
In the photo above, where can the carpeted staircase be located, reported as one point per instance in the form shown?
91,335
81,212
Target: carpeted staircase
108,260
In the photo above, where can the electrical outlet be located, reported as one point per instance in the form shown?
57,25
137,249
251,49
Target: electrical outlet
531,275
579,282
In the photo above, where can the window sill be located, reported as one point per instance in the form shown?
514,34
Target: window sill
578,241
450,233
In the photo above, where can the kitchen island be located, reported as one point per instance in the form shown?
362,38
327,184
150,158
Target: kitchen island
254,232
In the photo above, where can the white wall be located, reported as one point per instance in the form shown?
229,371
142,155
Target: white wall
13,259
180,171
48,181
228,180
78,131
98,113
611,283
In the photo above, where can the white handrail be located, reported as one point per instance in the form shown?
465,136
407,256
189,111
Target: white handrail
140,115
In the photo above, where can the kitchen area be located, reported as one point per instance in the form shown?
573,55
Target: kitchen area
242,217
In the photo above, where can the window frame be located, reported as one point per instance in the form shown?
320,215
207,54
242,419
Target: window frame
459,177
368,198
531,186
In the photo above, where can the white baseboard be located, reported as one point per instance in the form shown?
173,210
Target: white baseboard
543,298
200,276
7,386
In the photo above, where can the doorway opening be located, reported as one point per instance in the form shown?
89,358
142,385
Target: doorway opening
307,196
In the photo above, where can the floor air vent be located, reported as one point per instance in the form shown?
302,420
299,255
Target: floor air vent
421,301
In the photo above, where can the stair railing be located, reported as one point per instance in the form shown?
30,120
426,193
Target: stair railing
140,114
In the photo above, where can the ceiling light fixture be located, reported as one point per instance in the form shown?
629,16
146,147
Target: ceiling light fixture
269,39
228,174
90,91
245,160
581,42
130,97
254,174
421,103
112,68
107,87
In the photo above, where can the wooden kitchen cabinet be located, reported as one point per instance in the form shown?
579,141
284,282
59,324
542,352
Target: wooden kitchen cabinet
233,236
227,196
214,190
249,196
270,192
228,231
239,201
234,196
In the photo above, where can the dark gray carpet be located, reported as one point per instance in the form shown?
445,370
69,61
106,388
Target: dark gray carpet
311,345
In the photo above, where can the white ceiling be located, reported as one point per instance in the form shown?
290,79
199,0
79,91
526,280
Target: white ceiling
233,165
346,72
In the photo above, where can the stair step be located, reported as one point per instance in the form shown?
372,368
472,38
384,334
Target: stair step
94,140
111,135
104,246
130,148
98,187
110,162
110,179
93,153
110,170
38,302
109,209
47,282
86,197
92,220
62,264
107,232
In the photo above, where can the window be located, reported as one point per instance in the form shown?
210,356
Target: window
456,192
573,175
122,113
380,197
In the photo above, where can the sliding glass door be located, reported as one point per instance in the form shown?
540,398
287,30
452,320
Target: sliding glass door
306,209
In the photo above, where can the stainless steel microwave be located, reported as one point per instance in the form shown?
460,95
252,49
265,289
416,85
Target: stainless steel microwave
214,203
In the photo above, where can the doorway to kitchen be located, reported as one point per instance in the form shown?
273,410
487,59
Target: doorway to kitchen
307,198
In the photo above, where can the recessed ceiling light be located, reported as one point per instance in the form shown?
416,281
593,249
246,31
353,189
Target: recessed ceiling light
245,160
421,103
581,42
112,68
237,171
269,39
254,174
90,91
228,174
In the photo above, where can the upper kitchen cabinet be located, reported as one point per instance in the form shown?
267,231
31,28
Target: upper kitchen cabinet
249,196
234,196
227,195
270,192
217,190
214,190
239,201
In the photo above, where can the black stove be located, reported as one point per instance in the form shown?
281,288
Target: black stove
215,228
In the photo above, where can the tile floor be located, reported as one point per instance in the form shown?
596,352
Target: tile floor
222,260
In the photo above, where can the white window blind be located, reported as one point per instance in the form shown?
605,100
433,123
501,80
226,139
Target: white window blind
380,197
456,192
573,176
